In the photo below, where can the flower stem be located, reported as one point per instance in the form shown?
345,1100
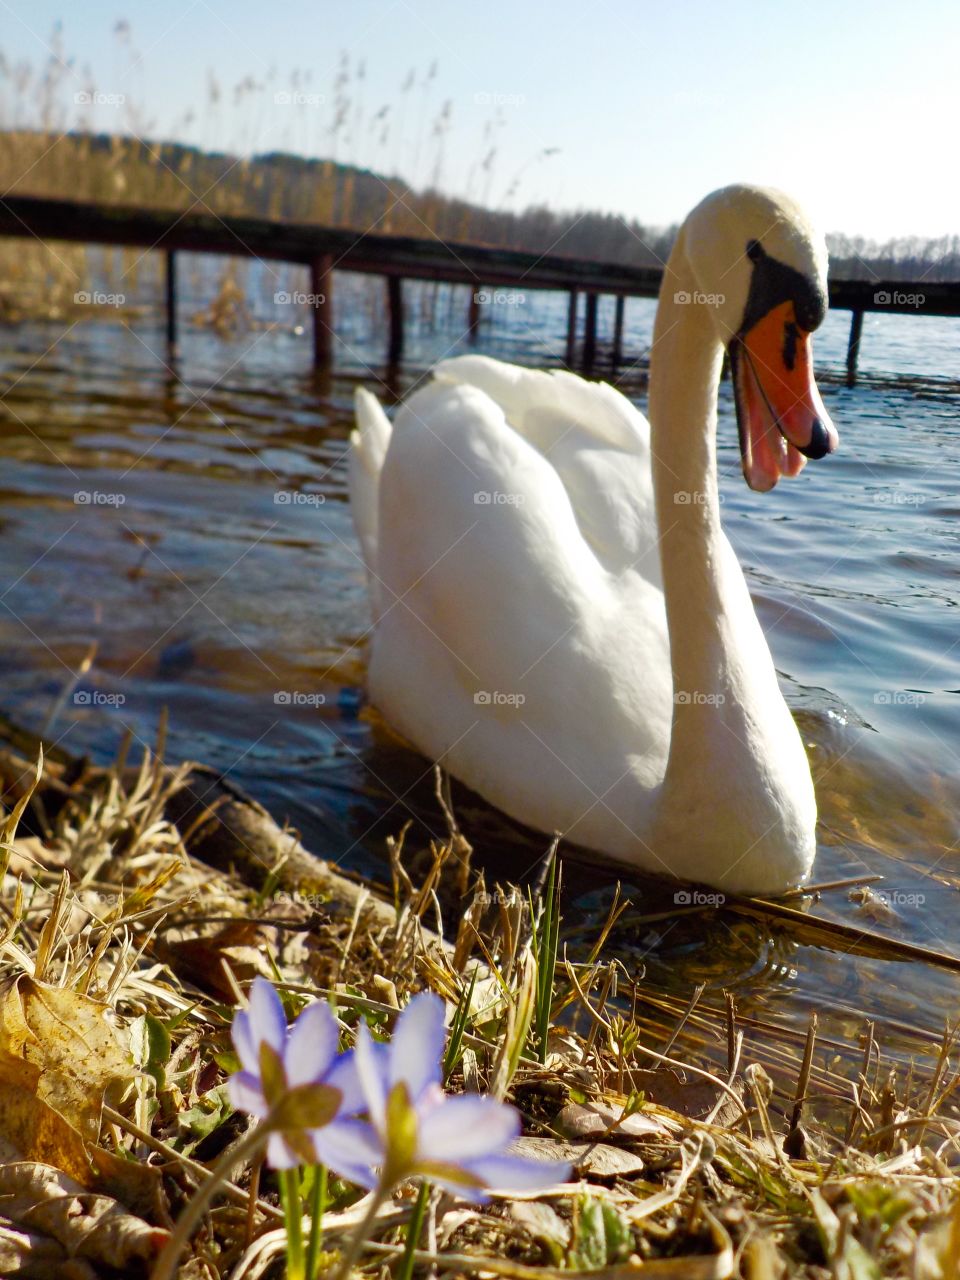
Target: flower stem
318,1204
166,1264
289,1180
359,1237
413,1232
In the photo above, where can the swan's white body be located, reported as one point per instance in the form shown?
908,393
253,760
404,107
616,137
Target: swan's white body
561,622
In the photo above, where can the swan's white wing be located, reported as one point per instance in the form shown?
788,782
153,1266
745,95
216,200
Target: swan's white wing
532,398
597,442
494,585
368,448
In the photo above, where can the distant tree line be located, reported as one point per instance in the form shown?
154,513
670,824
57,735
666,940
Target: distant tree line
903,258
125,170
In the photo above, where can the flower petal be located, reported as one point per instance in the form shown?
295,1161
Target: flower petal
516,1173
279,1155
417,1045
465,1191
244,1092
465,1127
372,1069
311,1045
267,1020
343,1075
244,1043
351,1149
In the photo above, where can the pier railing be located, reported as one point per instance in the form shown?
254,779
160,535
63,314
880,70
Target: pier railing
324,250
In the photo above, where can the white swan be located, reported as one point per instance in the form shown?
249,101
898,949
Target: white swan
559,618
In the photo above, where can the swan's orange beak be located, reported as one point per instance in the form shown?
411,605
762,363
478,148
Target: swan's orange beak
780,414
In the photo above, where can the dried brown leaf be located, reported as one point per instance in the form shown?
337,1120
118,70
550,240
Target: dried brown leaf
43,1200
58,1053
61,1047
29,1256
603,1120
597,1159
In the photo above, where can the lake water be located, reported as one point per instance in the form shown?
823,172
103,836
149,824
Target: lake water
204,595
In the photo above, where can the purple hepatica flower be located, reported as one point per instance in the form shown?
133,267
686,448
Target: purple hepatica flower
459,1142
291,1077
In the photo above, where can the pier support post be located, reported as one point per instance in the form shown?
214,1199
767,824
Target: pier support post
590,332
853,347
321,286
170,289
473,311
395,309
617,354
571,327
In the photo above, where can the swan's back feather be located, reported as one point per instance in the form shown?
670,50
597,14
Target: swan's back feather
543,405
596,441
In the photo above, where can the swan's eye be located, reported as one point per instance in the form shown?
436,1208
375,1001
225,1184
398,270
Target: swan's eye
754,250
791,335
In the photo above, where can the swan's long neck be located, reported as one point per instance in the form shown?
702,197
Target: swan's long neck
735,756
685,372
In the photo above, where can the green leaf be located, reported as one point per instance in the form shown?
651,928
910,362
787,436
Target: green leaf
458,1027
520,1012
176,1019
545,943
878,1204
634,1103
227,1060
269,887
209,1113
603,1236
845,1254
150,1045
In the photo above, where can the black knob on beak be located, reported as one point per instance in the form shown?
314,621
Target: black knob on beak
819,445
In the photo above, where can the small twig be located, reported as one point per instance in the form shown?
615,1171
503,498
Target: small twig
850,883
803,1080
358,906
692,1004
252,1200
731,1004
731,1076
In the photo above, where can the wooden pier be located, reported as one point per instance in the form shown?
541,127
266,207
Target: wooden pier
324,250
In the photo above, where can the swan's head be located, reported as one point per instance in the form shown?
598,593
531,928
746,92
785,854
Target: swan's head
755,252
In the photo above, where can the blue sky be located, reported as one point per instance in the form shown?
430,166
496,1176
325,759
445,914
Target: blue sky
852,107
